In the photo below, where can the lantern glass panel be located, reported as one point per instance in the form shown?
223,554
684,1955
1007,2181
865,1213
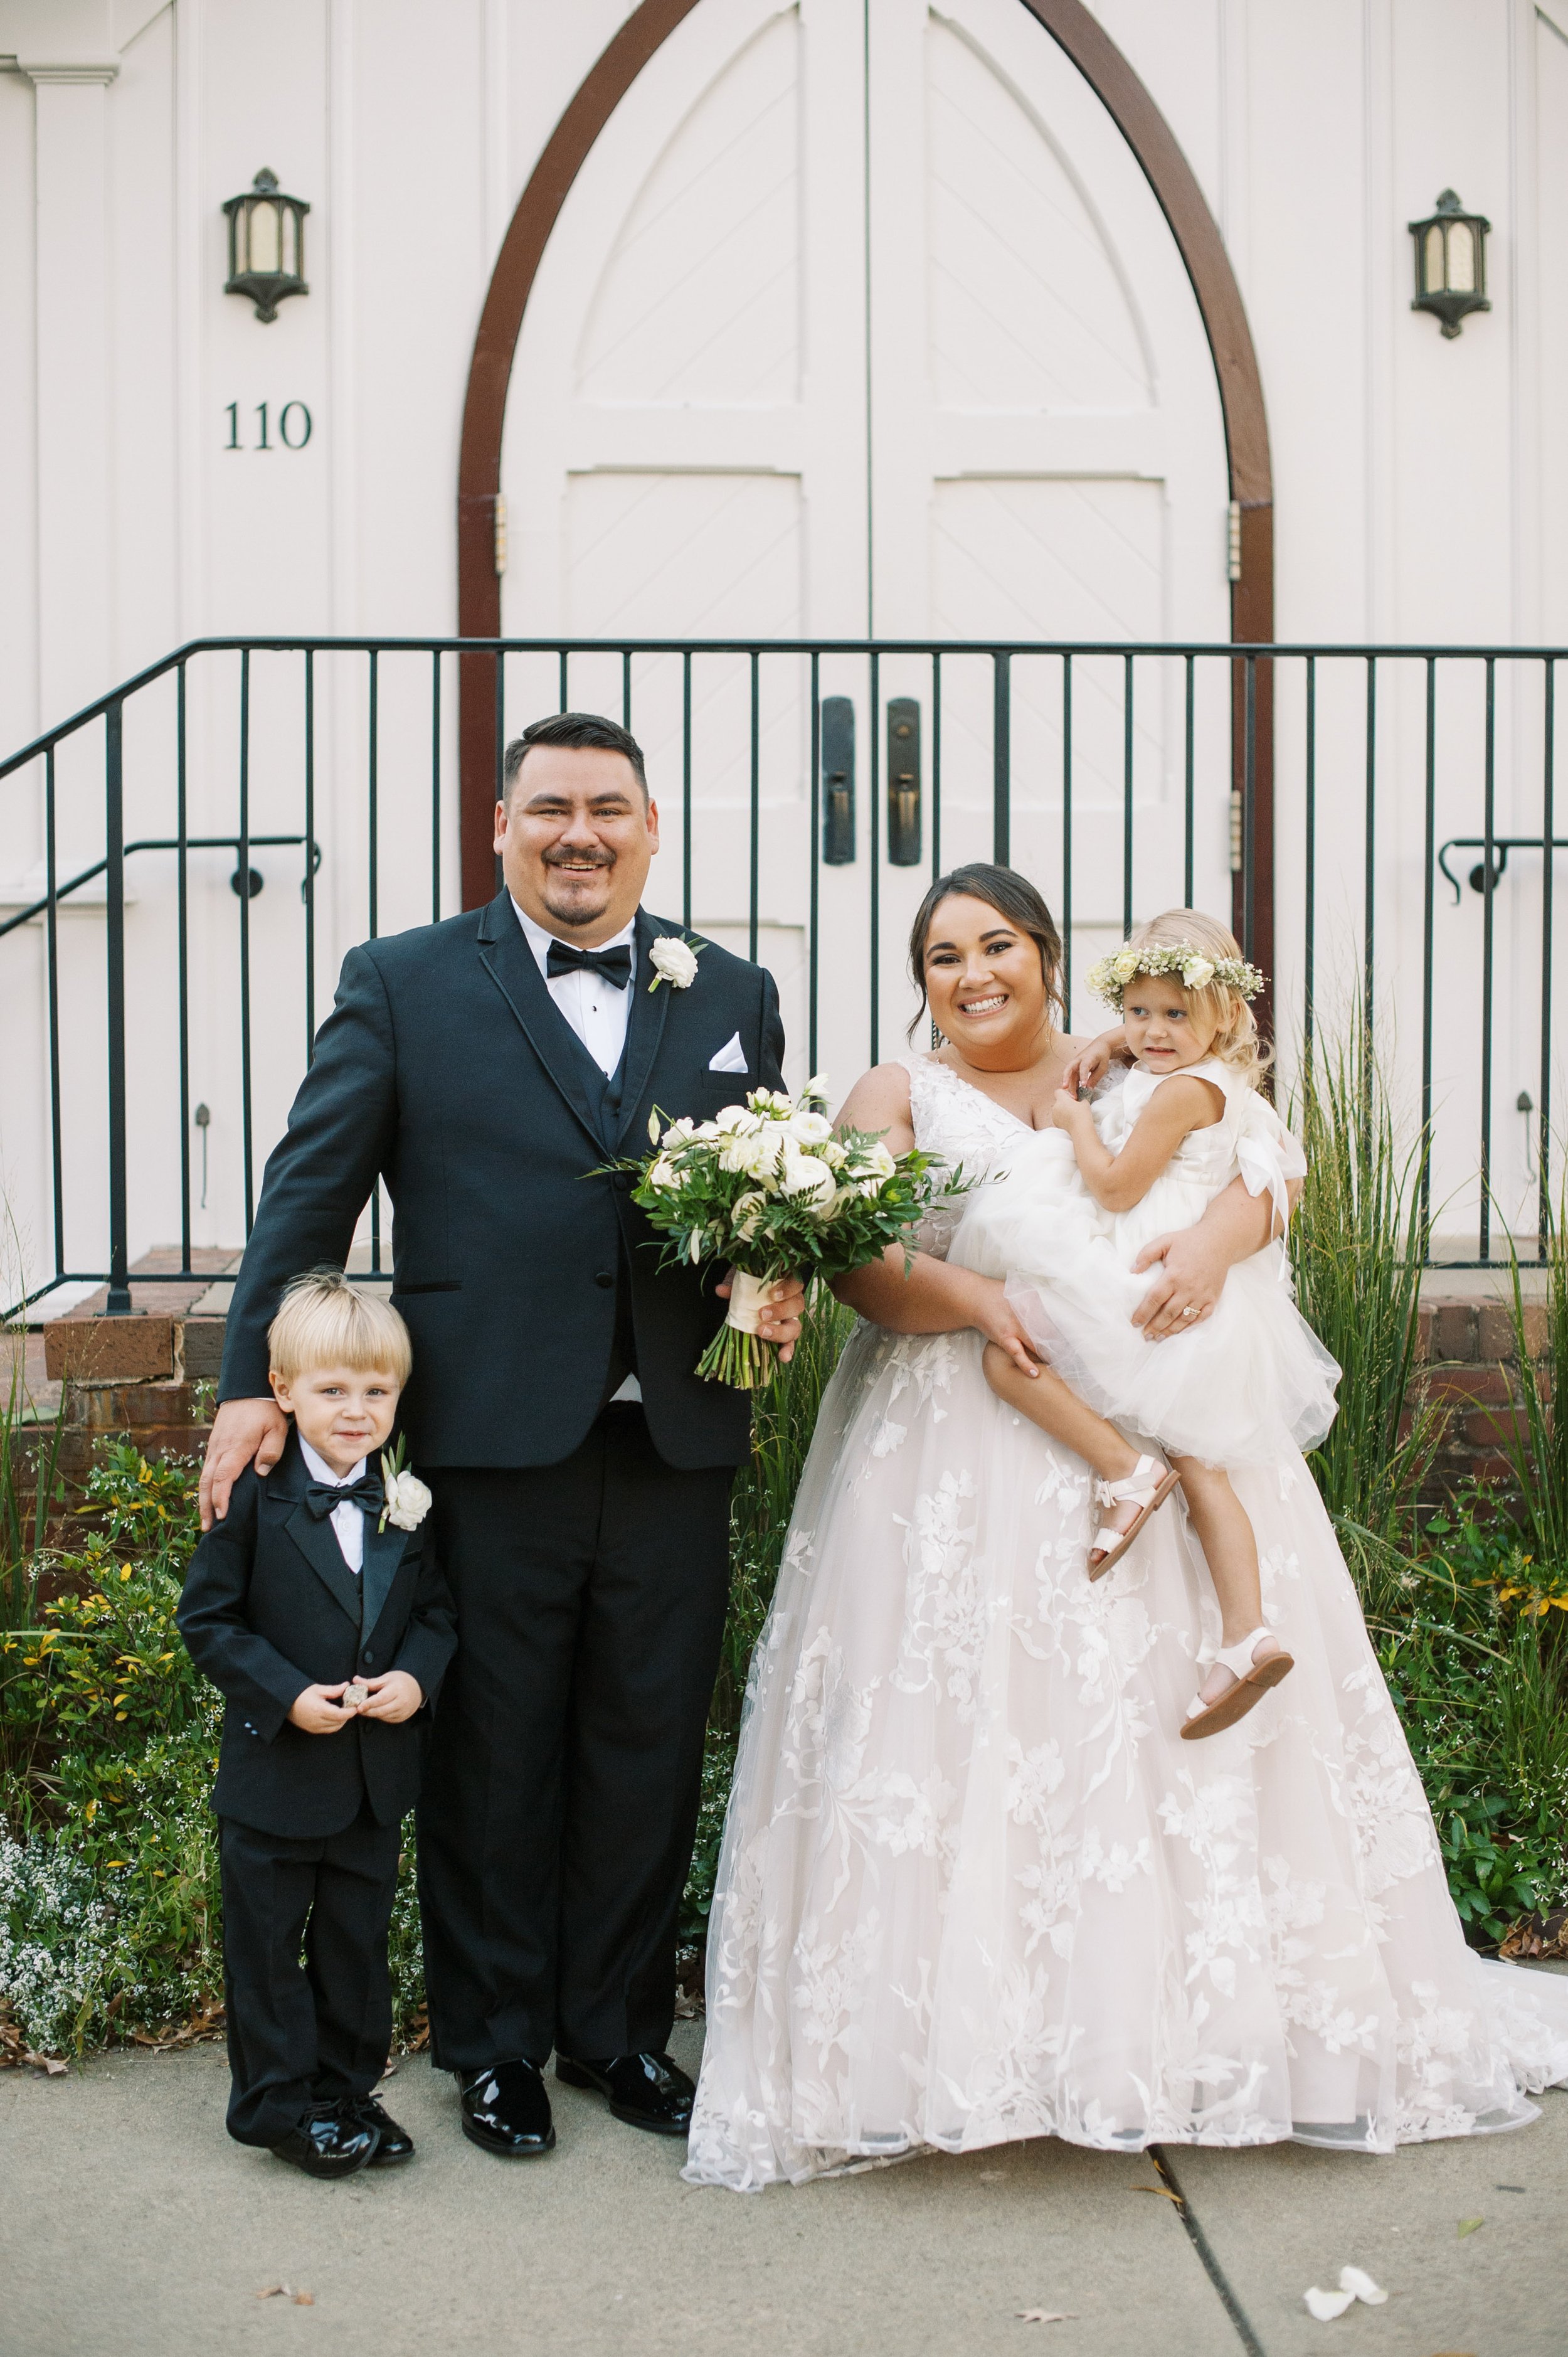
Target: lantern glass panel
265,238
1461,258
1432,274
290,241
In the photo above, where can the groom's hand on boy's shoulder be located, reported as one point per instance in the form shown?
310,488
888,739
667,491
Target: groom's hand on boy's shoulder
779,1319
243,1430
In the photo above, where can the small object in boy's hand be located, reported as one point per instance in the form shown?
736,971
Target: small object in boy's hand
356,1695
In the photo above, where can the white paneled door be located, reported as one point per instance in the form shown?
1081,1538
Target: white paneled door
863,320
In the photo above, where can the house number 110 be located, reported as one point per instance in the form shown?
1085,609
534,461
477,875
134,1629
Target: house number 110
293,427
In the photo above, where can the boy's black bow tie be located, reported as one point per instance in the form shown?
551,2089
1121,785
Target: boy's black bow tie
323,1498
615,964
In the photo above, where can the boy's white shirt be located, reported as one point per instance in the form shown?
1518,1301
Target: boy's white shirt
348,1522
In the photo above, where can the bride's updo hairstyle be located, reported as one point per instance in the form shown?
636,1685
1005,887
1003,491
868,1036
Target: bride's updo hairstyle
1236,1042
1014,897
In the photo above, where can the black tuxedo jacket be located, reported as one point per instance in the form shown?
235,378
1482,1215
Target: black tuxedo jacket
271,1607
447,1068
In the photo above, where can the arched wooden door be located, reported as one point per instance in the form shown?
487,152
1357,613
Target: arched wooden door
852,322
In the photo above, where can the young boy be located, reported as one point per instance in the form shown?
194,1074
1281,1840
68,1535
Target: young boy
317,1607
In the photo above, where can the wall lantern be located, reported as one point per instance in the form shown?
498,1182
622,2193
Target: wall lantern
1450,262
266,245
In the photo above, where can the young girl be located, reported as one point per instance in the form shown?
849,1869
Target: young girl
1249,1384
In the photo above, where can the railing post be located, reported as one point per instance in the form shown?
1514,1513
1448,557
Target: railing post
1002,760
119,1302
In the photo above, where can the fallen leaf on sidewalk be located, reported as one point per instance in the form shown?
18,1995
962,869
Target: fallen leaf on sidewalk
275,2291
1468,2226
1162,2191
1045,2314
304,2299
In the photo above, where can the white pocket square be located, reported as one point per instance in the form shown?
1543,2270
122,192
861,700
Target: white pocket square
731,1056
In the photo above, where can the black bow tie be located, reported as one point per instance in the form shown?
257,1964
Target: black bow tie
615,964
323,1498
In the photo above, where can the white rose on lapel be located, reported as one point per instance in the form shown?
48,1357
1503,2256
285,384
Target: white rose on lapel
673,961
407,1499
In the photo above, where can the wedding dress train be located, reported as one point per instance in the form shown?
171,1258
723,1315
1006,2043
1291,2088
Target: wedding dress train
973,1887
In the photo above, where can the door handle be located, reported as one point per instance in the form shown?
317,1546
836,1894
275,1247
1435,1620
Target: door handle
903,781
838,781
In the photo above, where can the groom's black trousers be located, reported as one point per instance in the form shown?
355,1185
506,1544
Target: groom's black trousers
564,1773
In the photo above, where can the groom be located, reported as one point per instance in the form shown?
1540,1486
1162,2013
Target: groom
486,1069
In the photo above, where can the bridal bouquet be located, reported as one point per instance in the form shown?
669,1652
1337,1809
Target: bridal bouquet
767,1187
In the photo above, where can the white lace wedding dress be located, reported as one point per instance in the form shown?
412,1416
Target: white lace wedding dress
974,1888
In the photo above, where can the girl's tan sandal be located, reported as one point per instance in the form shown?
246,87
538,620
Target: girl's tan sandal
1147,1486
1253,1680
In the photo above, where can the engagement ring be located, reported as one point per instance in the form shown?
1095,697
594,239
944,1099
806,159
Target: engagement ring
1189,1312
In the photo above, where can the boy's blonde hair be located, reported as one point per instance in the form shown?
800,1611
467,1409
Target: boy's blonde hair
1236,1041
325,1321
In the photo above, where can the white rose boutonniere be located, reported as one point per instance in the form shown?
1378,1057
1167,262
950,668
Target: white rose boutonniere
674,961
407,1499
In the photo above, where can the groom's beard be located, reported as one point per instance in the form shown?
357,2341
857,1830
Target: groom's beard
586,910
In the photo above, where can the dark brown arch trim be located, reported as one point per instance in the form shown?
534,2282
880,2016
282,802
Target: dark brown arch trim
1202,251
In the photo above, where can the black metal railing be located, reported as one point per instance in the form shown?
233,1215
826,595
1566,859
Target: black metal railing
1311,793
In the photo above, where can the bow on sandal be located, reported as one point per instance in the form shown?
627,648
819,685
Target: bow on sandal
1147,1486
1253,1681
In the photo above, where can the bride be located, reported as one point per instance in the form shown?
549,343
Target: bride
973,1887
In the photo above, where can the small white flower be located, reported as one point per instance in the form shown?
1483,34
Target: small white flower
1196,972
673,961
663,1174
878,1162
408,1500
653,1129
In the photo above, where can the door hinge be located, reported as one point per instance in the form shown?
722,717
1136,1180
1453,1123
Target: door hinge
1233,542
501,531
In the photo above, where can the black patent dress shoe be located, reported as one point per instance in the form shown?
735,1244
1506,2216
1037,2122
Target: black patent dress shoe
647,2090
506,2109
331,2140
395,2144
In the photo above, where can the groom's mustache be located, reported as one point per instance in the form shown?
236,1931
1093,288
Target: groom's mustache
579,859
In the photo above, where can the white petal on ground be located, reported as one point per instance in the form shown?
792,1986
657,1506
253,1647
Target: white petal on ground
1326,2304
1356,2280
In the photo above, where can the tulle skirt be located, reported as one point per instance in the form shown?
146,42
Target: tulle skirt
1248,1386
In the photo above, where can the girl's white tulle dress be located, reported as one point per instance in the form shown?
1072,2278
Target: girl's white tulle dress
973,1886
1249,1384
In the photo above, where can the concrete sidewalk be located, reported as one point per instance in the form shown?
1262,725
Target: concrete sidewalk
130,2227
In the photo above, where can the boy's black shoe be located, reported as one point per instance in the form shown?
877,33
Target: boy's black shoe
331,2140
647,2090
506,2109
395,2144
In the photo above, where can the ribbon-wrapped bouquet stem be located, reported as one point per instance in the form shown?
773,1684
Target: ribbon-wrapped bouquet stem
769,1188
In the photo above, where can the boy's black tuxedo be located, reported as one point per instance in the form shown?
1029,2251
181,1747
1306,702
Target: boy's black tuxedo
309,1824
447,1068
271,1607
586,1544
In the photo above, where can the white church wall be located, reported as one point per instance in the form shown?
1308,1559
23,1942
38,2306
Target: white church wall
1419,486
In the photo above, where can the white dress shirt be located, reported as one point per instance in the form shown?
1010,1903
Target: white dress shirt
348,1522
597,1012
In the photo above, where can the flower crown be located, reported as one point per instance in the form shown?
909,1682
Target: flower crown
1110,977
